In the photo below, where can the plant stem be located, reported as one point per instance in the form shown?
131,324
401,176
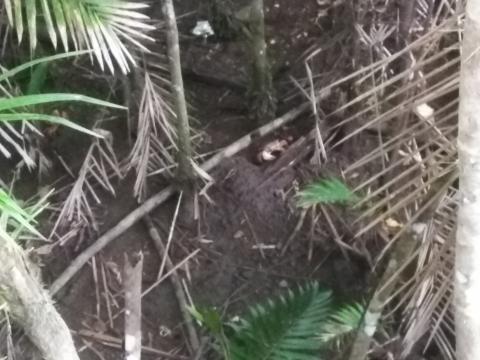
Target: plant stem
263,100
185,172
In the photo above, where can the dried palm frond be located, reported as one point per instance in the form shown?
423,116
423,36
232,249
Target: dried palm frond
428,300
156,144
156,137
96,171
88,24
406,102
26,109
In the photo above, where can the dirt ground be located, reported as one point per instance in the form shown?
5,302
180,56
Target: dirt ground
245,217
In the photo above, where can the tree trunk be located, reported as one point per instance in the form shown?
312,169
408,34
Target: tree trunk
185,172
30,306
262,96
467,262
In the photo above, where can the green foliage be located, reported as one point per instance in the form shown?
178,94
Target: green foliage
326,191
297,326
343,321
22,108
15,219
284,328
93,24
38,77
7,105
208,317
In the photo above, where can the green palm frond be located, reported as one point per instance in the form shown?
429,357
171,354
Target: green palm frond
100,25
15,219
327,191
283,329
22,109
342,322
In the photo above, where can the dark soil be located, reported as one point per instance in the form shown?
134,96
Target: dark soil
249,206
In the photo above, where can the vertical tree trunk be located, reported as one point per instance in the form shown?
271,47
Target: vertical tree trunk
30,306
184,155
467,263
262,97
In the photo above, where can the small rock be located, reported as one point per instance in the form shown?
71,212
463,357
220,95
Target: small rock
203,29
239,234
283,283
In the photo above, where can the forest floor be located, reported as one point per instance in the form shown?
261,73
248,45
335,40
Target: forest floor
245,216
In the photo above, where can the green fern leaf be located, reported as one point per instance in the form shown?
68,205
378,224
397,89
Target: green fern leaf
342,323
327,191
283,329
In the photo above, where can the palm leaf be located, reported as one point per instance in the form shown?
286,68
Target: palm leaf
342,322
327,191
154,147
10,105
284,328
100,25
7,74
14,219
398,174
78,210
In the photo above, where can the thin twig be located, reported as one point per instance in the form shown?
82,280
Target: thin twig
116,343
254,234
176,283
299,225
170,236
107,295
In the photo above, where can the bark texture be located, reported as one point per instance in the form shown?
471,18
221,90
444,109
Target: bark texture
184,154
467,263
31,307
262,97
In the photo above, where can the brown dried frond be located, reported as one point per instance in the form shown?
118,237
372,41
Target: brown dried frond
156,137
97,170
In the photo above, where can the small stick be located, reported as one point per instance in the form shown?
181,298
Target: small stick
97,287
107,295
176,283
338,239
116,343
201,349
133,308
170,236
260,248
299,225
90,347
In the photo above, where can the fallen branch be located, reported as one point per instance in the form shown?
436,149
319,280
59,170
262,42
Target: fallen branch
133,308
31,307
158,199
176,283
